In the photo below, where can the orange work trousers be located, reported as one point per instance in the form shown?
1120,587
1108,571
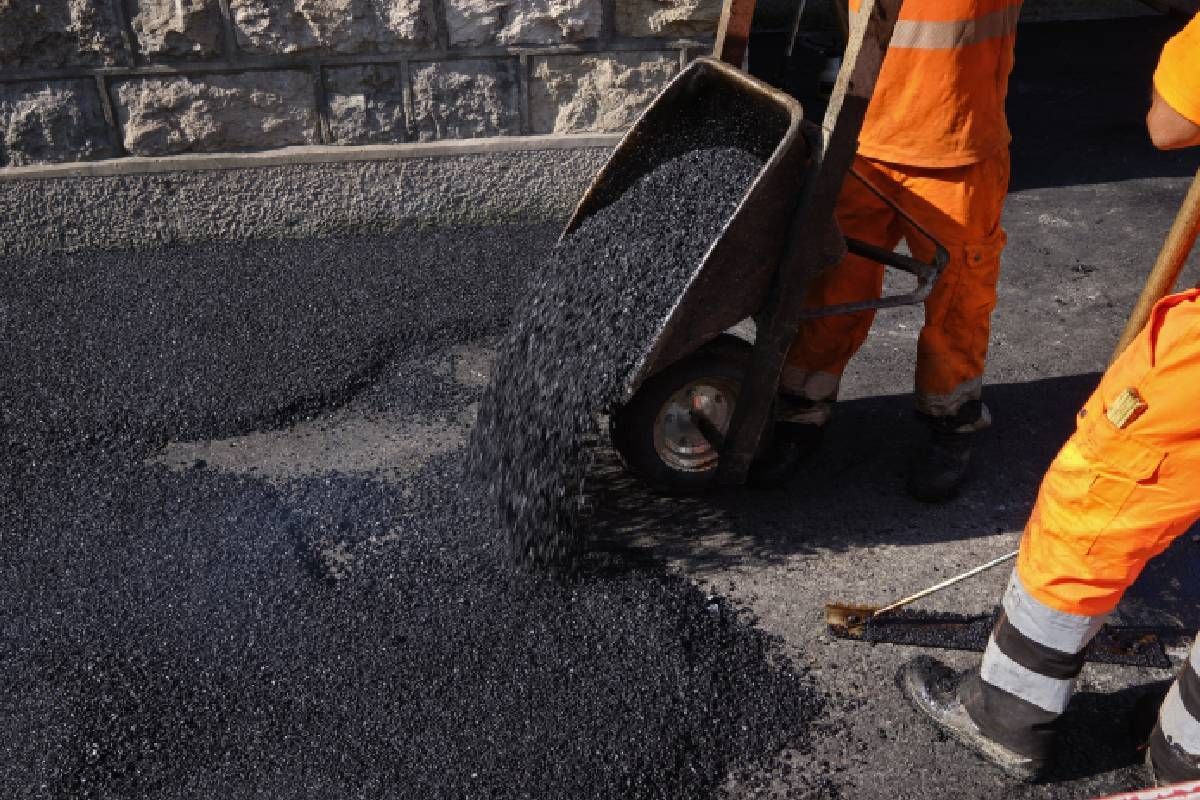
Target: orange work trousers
1127,483
959,206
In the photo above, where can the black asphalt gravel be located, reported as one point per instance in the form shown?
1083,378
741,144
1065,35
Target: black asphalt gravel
592,312
126,350
176,634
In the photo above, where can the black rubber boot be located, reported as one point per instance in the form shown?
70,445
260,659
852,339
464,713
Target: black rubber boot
1143,717
792,444
938,472
933,689
1168,763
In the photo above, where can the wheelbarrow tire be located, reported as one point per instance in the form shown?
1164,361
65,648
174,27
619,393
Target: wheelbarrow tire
675,457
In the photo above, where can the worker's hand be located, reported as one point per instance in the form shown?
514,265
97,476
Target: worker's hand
1170,130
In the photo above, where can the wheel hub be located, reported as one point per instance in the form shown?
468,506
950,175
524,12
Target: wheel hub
679,442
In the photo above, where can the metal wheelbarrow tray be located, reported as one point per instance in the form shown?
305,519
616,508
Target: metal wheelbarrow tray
683,394
711,104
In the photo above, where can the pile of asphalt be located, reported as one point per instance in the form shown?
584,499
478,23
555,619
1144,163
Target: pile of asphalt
127,349
176,633
592,312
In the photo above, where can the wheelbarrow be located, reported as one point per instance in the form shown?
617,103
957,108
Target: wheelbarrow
699,400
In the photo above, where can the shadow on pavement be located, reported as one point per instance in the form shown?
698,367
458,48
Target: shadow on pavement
851,494
1104,731
1077,103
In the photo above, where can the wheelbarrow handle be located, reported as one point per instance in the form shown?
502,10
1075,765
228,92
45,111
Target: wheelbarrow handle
926,272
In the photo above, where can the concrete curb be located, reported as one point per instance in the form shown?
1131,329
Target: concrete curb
296,192
308,154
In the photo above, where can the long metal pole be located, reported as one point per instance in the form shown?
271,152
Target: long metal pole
946,584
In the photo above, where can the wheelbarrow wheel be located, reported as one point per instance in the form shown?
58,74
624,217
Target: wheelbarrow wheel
664,433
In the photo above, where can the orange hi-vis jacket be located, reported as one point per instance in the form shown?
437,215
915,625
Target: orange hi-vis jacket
1127,483
939,99
1177,78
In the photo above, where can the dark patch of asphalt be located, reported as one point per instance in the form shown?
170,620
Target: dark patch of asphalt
144,614
176,634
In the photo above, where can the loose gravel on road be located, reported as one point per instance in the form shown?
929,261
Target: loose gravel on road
591,314
179,632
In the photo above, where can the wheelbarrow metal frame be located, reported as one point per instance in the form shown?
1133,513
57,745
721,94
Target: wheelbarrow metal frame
782,234
731,281
834,149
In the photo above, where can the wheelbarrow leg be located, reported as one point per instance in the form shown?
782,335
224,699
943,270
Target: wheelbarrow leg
808,249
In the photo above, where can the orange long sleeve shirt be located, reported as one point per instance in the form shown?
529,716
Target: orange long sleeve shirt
1177,78
939,100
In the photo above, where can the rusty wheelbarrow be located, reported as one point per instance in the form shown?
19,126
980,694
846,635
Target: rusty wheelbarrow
699,400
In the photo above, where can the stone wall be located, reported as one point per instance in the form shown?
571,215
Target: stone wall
94,79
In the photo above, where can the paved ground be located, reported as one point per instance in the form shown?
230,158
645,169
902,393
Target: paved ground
237,558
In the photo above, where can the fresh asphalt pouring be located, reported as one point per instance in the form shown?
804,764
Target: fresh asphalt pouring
240,559
578,334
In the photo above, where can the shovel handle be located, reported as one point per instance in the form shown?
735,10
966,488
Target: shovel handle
1167,267
946,584
733,31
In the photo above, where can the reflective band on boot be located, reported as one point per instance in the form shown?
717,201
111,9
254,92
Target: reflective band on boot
948,404
815,389
1028,672
1175,743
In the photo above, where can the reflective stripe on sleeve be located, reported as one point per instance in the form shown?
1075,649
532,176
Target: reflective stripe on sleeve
953,34
956,33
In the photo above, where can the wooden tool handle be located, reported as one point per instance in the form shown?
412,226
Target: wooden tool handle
1167,267
937,587
733,31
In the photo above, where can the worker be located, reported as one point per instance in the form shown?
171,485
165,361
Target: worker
935,141
1119,492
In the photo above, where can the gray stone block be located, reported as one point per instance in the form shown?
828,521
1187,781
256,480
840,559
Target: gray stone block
50,121
595,92
487,22
332,26
60,33
366,104
667,17
168,29
465,99
216,113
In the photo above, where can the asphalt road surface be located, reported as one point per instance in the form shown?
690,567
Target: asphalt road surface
238,557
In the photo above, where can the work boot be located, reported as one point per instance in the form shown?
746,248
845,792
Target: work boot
1143,717
1152,773
1168,763
792,443
939,471
932,688
1143,721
